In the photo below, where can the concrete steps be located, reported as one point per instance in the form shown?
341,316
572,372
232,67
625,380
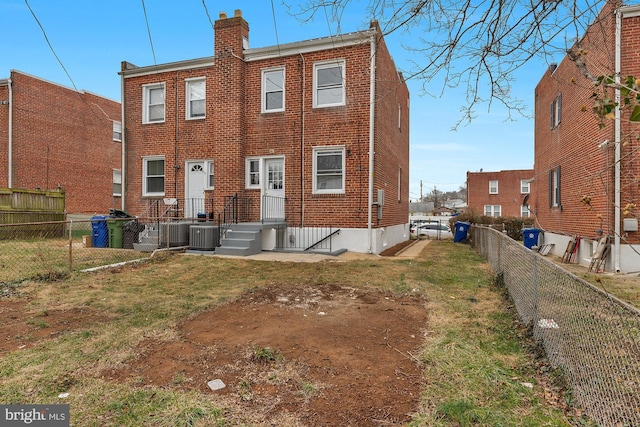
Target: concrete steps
241,240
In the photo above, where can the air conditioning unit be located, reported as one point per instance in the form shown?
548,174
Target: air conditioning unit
177,232
203,237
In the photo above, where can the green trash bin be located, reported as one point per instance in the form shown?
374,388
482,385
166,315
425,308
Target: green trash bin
115,232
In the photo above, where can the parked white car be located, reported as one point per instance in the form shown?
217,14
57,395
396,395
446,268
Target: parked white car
432,230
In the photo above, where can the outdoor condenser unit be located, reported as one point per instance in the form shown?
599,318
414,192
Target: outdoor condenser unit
203,237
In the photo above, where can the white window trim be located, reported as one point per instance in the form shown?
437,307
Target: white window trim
119,174
264,90
317,150
117,128
525,183
145,102
145,160
525,211
494,209
210,170
490,186
247,169
188,97
328,64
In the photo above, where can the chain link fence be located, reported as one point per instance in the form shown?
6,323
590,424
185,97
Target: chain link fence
50,250
591,336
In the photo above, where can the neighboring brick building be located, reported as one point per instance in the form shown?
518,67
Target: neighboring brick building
292,122
586,171
55,137
503,193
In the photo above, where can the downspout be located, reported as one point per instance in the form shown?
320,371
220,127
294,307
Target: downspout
302,129
123,133
616,236
372,110
10,152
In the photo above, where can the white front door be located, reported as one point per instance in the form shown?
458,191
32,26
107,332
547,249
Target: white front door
273,189
195,185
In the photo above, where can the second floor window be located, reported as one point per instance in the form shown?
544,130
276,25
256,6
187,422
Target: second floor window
117,131
493,187
556,111
273,90
328,84
525,186
153,103
196,98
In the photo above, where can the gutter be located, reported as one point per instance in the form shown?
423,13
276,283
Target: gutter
616,203
372,110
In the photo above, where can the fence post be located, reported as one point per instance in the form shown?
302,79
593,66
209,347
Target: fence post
70,246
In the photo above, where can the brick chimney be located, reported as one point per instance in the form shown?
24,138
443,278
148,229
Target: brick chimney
230,34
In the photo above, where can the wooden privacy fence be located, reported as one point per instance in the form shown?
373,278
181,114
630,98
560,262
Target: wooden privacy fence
19,206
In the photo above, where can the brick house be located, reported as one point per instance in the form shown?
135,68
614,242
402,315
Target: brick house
586,172
315,133
55,137
503,193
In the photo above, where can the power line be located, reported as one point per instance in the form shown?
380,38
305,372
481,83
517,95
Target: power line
144,9
207,12
275,27
50,46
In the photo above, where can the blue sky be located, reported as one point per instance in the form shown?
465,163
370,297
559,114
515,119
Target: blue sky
92,37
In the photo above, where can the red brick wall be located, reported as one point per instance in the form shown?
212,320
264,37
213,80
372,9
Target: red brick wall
64,138
585,169
4,136
235,128
509,197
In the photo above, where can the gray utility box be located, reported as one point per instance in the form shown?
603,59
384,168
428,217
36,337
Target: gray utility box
204,237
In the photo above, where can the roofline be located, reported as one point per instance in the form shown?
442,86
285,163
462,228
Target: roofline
257,54
80,91
630,11
307,46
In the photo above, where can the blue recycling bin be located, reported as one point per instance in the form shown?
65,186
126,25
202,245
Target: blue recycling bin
461,231
100,231
530,237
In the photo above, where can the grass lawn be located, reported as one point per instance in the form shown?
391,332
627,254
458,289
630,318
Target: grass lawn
475,363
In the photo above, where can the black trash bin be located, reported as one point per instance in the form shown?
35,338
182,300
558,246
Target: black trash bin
130,233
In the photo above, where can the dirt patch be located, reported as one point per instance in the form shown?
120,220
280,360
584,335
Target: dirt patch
324,356
21,329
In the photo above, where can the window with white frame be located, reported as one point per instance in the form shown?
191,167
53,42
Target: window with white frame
273,90
210,181
328,84
117,182
196,98
117,131
493,186
328,170
524,211
525,186
153,176
252,173
554,187
399,184
399,116
153,103
556,111
492,210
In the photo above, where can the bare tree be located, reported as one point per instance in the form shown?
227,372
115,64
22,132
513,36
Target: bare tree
477,46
